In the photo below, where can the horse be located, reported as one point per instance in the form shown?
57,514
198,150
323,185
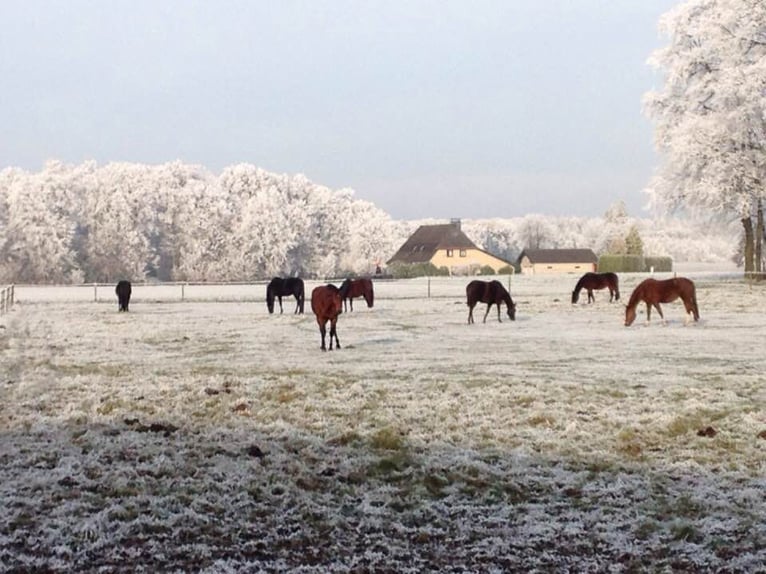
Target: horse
327,304
591,281
492,293
653,292
357,288
279,287
123,291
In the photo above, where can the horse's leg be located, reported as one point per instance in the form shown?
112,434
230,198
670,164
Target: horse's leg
498,313
350,303
487,313
591,298
659,310
648,313
470,313
334,332
323,331
280,303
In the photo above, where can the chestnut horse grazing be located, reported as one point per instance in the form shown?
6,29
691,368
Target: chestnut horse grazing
591,281
492,293
279,287
327,304
653,292
357,288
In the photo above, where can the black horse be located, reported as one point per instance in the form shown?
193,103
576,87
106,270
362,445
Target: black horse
123,291
491,293
281,287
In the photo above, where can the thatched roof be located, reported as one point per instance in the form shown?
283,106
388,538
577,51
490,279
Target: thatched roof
428,239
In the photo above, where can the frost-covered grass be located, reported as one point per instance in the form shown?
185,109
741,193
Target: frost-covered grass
211,436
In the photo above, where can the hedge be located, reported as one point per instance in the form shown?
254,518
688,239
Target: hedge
634,264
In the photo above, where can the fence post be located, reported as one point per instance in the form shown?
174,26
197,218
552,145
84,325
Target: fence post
183,291
95,292
429,287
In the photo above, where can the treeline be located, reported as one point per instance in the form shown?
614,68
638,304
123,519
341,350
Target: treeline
90,223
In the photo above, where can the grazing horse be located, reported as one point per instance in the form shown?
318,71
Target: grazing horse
327,304
279,287
357,288
591,281
653,292
492,293
123,291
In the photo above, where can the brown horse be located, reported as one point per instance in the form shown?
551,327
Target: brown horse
492,293
357,288
653,292
327,304
591,281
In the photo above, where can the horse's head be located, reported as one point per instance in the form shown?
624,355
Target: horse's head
575,296
512,311
630,315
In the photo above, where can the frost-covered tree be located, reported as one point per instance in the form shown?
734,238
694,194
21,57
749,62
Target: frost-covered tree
634,245
115,224
37,237
710,115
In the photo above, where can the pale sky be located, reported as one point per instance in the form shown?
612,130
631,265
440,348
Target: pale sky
427,108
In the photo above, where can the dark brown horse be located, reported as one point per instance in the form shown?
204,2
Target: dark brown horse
279,287
591,281
357,288
492,293
653,292
327,304
123,291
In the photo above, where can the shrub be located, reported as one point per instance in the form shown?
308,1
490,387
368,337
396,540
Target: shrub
485,270
410,270
507,270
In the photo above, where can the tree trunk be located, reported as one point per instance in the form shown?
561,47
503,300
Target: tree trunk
747,223
759,239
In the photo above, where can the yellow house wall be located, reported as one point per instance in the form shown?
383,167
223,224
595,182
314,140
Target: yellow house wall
528,268
472,257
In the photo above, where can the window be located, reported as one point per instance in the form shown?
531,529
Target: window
462,253
450,252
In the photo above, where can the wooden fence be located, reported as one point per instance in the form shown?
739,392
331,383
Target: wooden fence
6,298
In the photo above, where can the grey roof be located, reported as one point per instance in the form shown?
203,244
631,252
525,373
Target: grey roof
559,255
428,239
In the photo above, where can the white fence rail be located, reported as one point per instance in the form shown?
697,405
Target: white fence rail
554,286
7,297
422,287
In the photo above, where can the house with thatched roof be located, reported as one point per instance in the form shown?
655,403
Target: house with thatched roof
540,261
445,245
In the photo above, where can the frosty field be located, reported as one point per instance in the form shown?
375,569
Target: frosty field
207,435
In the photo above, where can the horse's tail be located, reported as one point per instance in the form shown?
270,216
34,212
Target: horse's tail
616,288
372,296
301,296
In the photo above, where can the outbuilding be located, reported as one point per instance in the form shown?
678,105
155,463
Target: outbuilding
541,261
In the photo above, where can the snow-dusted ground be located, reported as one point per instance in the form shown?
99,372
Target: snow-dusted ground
211,436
